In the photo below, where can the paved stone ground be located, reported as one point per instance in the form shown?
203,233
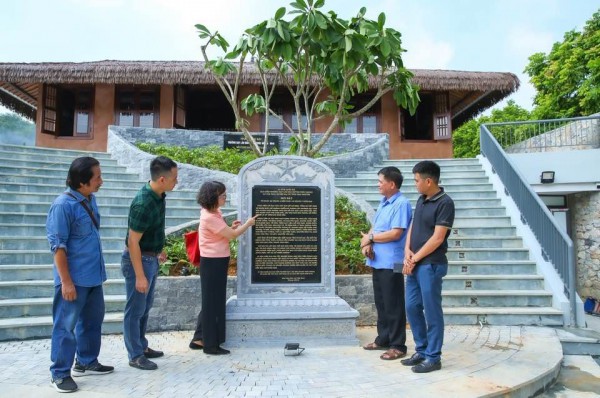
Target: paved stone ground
476,362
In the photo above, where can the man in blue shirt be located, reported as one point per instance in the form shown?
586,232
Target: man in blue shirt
384,248
425,264
73,232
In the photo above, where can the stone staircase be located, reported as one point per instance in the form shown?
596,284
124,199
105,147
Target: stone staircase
491,279
30,179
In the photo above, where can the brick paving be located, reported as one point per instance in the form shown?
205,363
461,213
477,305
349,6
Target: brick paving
476,362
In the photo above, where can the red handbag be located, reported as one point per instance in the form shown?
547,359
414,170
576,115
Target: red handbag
192,247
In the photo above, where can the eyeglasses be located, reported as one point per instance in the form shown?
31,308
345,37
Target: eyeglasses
223,195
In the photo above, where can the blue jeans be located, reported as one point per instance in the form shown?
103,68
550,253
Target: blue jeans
138,304
77,328
424,309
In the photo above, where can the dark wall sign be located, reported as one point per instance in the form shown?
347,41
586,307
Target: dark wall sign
238,141
286,240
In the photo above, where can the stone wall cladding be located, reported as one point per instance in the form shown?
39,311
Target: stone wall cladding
120,146
585,222
355,151
578,135
178,300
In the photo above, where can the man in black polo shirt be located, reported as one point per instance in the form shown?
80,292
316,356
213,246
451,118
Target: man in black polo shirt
139,263
425,264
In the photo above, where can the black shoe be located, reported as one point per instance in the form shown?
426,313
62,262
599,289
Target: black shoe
143,363
414,360
150,353
87,370
426,367
216,351
66,384
196,346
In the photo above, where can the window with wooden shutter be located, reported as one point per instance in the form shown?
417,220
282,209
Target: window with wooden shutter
137,106
180,92
50,100
442,128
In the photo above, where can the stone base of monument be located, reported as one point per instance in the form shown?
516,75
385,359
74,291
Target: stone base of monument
310,321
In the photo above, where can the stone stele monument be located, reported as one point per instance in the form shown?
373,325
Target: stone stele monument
286,263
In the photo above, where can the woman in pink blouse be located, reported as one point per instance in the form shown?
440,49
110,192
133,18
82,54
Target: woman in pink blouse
214,236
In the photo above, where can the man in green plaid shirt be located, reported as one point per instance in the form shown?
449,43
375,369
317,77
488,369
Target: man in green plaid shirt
139,263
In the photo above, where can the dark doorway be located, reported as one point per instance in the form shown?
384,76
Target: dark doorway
207,109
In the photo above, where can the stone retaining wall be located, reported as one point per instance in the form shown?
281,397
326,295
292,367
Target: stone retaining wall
177,300
355,152
585,222
578,135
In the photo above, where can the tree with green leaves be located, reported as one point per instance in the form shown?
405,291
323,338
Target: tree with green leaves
567,79
323,61
465,139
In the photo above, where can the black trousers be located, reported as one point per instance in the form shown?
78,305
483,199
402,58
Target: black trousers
210,327
388,289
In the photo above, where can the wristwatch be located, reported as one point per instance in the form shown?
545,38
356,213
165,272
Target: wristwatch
371,238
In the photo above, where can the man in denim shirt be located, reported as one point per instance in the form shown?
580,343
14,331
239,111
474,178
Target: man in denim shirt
73,232
384,248
145,241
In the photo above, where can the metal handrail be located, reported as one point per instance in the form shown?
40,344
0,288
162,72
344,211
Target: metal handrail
548,135
557,246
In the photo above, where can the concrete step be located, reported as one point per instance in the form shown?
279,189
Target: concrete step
41,243
54,175
443,163
462,171
495,298
539,316
413,195
459,203
447,181
45,199
174,208
106,219
36,272
31,257
464,211
38,150
106,191
482,231
492,267
53,169
485,242
579,341
51,162
50,158
466,283
39,289
32,327
490,221
60,181
487,254
42,306
38,229
353,185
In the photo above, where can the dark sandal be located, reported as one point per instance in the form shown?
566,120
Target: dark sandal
374,346
391,354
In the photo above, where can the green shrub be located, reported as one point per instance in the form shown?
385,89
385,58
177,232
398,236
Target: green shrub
210,157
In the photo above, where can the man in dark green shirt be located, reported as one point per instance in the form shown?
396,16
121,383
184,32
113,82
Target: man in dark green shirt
139,263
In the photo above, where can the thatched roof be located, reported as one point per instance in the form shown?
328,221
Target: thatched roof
493,85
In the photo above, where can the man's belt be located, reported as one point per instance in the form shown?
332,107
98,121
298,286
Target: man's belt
146,253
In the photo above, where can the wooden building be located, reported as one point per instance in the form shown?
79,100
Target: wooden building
73,104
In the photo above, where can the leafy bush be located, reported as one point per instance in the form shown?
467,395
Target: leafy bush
349,223
210,157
